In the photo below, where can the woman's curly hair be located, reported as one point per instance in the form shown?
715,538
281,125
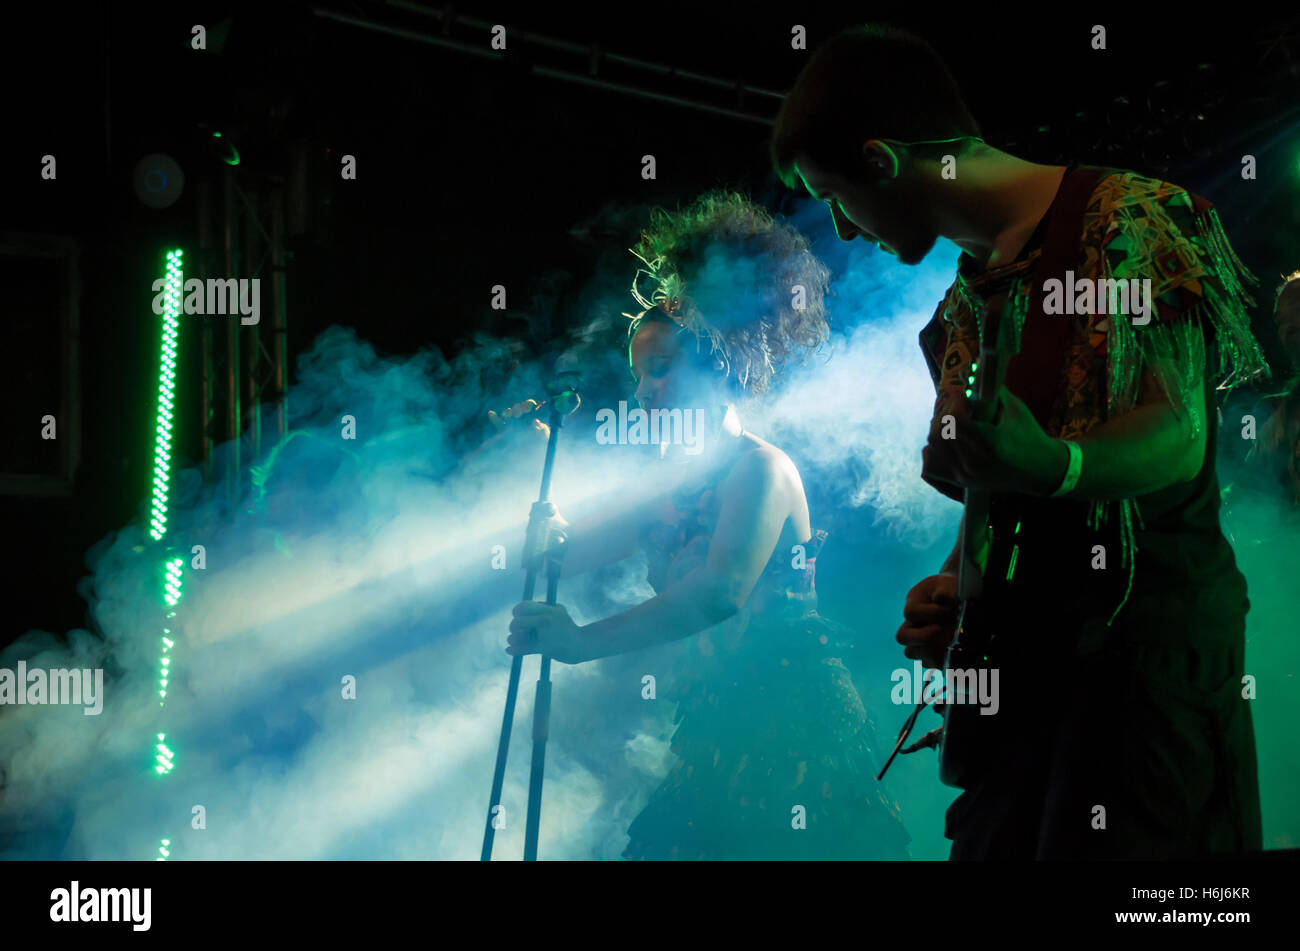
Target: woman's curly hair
725,270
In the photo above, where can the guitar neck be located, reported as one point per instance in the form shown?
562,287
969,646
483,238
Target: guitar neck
987,380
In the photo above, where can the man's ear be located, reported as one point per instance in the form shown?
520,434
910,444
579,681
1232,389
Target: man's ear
880,159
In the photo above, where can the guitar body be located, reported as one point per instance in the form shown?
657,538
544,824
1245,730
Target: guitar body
967,734
961,747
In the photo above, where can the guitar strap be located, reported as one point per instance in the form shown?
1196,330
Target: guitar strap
1034,373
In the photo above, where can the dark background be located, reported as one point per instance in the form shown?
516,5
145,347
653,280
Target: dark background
474,171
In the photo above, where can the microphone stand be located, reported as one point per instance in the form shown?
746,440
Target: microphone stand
537,550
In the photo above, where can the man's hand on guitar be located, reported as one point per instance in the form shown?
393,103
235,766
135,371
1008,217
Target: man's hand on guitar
1012,453
930,620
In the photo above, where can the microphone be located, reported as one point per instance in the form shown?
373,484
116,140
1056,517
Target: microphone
564,396
564,392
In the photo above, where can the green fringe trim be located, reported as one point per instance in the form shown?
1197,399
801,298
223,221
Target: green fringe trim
1176,354
963,297
1019,303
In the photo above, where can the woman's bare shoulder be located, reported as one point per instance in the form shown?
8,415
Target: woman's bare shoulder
761,461
770,455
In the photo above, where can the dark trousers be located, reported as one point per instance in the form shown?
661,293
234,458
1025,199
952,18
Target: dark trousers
1132,752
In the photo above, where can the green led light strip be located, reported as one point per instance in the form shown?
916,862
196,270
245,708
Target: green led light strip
172,595
166,391
164,758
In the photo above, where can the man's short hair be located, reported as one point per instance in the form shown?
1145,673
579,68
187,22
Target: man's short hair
868,82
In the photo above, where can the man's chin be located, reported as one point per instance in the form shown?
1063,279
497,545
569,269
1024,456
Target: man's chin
912,255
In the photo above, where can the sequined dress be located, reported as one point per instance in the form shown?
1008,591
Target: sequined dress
776,756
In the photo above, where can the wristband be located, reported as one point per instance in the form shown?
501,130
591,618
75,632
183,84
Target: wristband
1072,470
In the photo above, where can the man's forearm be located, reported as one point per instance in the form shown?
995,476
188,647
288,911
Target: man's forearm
686,608
1142,451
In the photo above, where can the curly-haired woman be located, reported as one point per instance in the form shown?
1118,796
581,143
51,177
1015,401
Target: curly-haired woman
774,747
